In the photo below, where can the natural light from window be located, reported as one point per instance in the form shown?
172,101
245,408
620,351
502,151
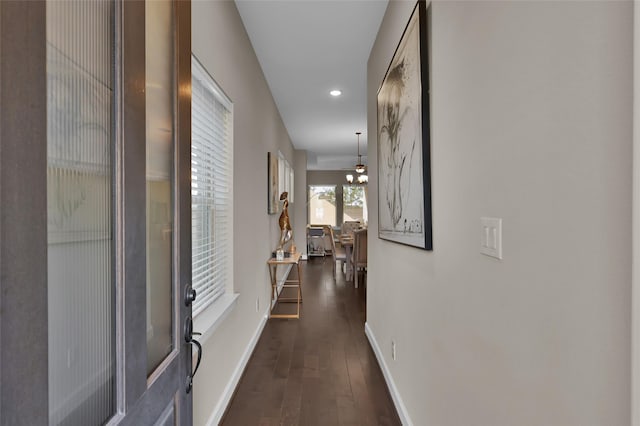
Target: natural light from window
354,203
322,204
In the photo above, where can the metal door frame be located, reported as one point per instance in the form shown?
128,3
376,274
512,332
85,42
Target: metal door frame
143,398
23,214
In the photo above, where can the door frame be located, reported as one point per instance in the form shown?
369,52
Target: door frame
24,397
144,398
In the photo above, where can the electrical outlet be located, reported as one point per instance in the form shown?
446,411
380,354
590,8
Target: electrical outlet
257,304
393,350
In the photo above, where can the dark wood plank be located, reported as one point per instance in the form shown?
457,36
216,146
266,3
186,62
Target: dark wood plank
318,370
347,409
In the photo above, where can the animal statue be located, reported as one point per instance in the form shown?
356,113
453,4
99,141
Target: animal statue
286,233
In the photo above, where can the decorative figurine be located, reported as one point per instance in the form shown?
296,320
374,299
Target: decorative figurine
286,233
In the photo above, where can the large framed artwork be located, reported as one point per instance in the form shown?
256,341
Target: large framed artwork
404,172
273,201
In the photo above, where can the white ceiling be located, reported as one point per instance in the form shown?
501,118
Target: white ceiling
307,48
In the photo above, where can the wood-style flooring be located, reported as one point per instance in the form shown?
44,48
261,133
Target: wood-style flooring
318,370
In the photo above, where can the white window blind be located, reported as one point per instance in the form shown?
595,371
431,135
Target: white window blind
211,173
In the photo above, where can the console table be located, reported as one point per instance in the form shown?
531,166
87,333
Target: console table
273,264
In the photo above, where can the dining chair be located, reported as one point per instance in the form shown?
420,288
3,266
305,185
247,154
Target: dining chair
359,256
315,240
339,254
349,226
327,236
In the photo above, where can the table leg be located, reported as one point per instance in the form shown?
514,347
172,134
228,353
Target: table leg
299,283
349,267
287,284
274,289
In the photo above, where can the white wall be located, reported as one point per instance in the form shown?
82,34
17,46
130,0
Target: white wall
223,47
531,110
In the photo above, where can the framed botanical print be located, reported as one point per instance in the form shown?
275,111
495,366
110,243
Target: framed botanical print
404,172
273,197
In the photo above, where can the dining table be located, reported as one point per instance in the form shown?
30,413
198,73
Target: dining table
346,241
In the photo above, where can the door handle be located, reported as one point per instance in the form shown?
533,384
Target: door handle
193,374
189,340
189,295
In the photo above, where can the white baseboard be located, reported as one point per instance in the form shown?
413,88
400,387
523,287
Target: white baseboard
224,400
395,395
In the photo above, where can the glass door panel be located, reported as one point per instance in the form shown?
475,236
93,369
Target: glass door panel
159,171
79,212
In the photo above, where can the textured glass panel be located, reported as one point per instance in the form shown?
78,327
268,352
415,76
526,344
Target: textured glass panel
79,193
159,169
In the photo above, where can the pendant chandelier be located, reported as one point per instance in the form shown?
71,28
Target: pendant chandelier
361,178
360,168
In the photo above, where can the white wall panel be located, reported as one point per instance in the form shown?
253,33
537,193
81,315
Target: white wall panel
531,123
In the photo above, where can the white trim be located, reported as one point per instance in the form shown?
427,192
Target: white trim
393,390
219,199
212,84
208,320
224,400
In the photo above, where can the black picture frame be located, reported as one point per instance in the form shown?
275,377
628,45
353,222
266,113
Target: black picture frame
404,141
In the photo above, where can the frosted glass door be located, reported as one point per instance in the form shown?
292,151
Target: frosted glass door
81,293
114,259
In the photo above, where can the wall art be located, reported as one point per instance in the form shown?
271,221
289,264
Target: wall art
404,172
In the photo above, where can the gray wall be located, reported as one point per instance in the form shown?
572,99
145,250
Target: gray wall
299,217
532,123
222,45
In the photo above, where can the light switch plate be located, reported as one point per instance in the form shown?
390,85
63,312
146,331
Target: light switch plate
491,236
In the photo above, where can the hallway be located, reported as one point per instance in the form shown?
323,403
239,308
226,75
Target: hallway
319,370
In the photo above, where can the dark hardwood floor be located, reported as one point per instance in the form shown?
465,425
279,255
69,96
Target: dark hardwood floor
318,370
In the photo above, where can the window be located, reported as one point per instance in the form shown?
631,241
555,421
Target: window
354,203
285,177
211,181
322,205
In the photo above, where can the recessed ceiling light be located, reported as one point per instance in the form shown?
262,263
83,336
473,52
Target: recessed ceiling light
335,92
